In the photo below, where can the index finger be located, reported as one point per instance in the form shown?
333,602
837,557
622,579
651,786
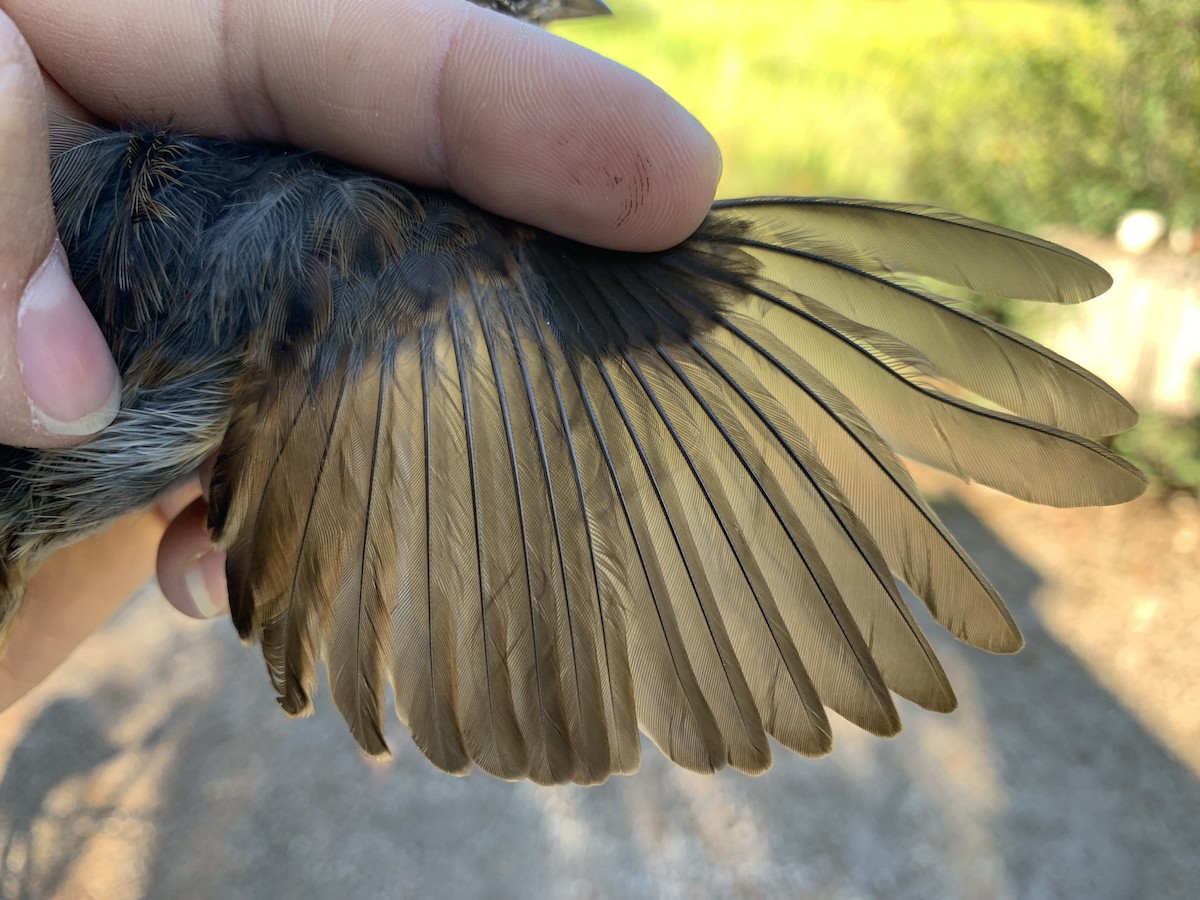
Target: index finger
437,92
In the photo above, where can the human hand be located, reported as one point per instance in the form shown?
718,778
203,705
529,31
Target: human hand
434,92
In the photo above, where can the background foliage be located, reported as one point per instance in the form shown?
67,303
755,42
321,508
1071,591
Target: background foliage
1028,112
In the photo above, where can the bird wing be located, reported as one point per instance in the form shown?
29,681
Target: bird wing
566,492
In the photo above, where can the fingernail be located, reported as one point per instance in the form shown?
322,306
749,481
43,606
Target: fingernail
69,373
205,583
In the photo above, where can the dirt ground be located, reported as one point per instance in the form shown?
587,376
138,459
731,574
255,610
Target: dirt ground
156,764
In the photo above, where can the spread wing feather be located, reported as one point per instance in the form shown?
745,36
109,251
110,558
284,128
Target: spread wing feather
913,541
544,704
422,659
556,493
603,696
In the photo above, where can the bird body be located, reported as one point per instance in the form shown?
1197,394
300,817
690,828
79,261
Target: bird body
552,493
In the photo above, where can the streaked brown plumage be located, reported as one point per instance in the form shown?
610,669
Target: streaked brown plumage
552,493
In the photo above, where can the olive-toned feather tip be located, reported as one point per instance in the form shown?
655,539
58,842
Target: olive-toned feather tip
553,494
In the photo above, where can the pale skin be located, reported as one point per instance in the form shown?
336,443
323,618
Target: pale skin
435,92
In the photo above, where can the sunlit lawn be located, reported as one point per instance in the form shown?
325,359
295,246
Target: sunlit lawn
821,96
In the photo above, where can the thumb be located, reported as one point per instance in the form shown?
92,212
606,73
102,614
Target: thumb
58,381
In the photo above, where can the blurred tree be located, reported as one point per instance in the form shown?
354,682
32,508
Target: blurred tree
1075,127
1159,103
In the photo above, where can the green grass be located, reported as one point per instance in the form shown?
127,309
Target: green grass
825,97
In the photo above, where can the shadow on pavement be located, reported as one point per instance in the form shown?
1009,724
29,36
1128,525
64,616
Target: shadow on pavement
163,758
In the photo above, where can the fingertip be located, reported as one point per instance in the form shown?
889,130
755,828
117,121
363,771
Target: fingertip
545,131
191,570
72,385
206,590
58,381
